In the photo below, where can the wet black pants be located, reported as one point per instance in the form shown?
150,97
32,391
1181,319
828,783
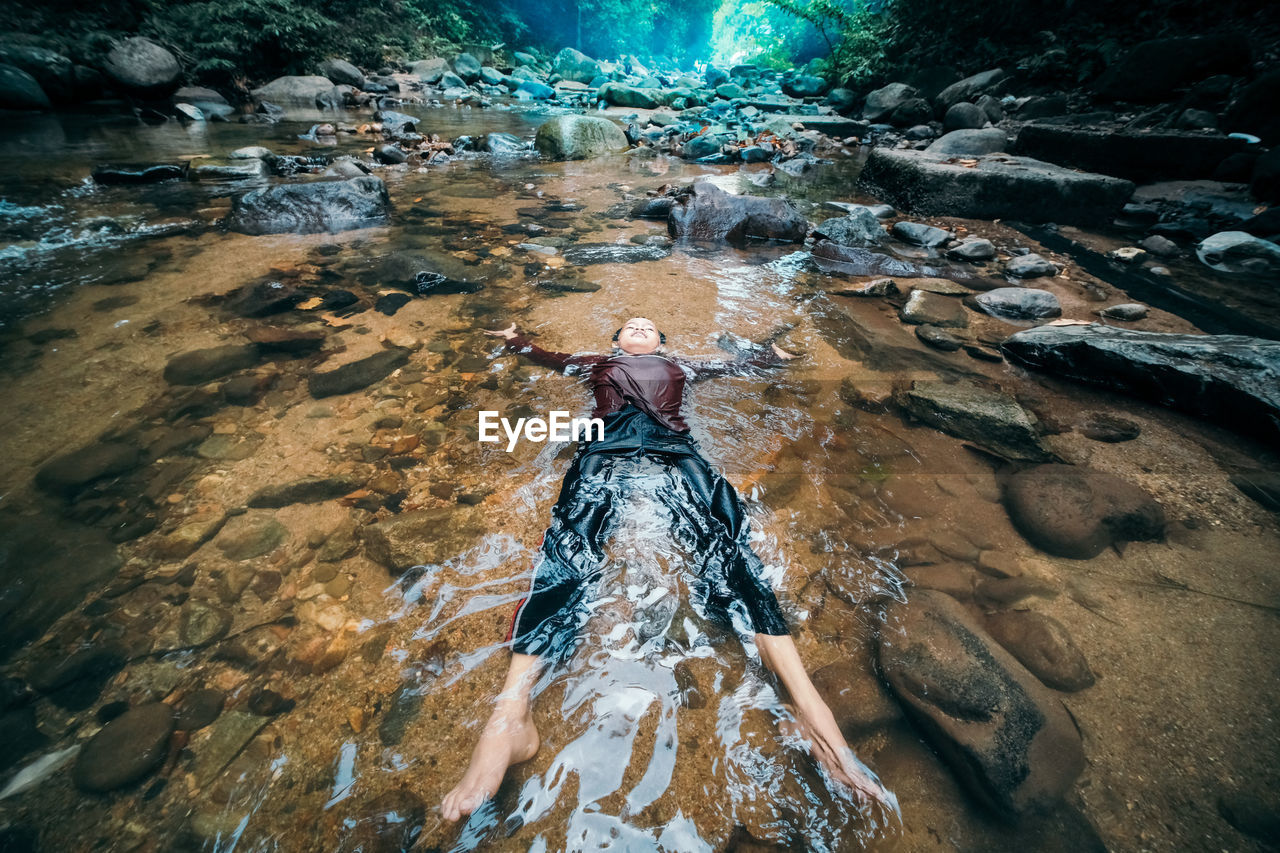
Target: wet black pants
705,508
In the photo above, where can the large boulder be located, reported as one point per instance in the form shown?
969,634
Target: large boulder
990,419
53,71
1229,378
622,95
703,211
1153,70
1077,512
20,91
804,86
142,67
125,749
1239,252
1004,734
312,208
467,67
575,137
294,90
997,187
968,89
576,66
430,70
860,227
1137,156
970,142
1018,303
342,73
881,102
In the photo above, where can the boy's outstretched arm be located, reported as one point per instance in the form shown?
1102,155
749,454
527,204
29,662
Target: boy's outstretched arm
562,361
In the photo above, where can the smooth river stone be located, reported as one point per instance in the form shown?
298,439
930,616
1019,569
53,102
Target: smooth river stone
128,748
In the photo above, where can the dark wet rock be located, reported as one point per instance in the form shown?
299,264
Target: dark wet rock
622,95
706,145
76,681
113,175
142,67
390,303
881,102
453,86
1161,247
1101,426
1262,487
269,703
834,126
970,88
247,536
1041,106
973,249
536,91
1006,736
575,137
1239,252
970,143
703,211
1264,181
938,338
843,101
920,234
125,750
964,116
909,113
925,308
295,91
202,623
199,708
989,419
20,91
341,72
390,154
389,823
653,208
54,72
859,228
244,390
583,254
1128,311
229,734
878,287
804,86
1153,70
241,170
1018,303
575,65
1253,812
66,474
271,340
858,699
1077,512
997,187
20,737
402,710
852,260
1191,119
311,208
396,124
1043,645
264,298
358,374
1030,266
1254,111
1230,378
501,143
305,491
204,365
467,67
1136,156
421,537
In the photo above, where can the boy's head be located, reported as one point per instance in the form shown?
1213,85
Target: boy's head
638,336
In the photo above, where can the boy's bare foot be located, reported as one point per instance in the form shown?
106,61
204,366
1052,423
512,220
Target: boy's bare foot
508,738
817,725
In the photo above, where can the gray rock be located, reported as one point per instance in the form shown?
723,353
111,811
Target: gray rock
1030,266
837,127
703,211
939,339
296,91
229,734
202,623
253,535
311,208
534,90
804,86
575,137
308,490
66,474
714,76
251,152
1042,106
20,91
1128,311
990,419
964,116
126,749
1192,119
422,537
1143,156
204,365
702,146
342,73
920,234
142,67
860,228
199,708
920,132
1161,247
575,65
430,71
879,287
357,374
1077,512
915,111
467,67
842,101
881,102
991,108
390,154
1230,378
1239,252
54,72
585,254
1018,303
501,143
1005,735
970,143
968,89
924,308
973,249
730,91
1043,645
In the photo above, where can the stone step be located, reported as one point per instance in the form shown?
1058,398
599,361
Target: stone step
1137,156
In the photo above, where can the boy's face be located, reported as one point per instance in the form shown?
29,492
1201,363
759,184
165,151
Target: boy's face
638,336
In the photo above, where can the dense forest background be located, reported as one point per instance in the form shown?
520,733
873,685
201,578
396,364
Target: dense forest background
856,43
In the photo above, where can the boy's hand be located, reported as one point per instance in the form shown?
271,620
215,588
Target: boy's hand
508,333
778,351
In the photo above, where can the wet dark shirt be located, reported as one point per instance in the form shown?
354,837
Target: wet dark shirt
652,383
